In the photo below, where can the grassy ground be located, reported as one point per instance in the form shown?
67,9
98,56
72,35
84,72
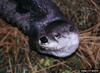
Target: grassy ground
85,14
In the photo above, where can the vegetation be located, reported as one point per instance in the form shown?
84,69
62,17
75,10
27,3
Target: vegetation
14,48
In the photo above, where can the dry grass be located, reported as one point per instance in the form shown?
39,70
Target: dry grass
14,49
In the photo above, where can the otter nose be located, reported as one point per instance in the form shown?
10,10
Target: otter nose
43,39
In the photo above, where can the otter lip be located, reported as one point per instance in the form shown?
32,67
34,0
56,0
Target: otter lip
49,49
62,52
64,48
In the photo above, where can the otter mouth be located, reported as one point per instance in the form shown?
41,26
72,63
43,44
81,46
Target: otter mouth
61,47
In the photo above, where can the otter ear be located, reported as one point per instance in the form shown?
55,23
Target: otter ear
24,6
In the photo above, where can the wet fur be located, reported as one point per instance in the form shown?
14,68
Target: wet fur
34,18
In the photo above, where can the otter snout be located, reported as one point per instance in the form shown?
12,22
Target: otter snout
60,40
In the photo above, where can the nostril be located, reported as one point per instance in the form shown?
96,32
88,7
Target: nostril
43,39
72,28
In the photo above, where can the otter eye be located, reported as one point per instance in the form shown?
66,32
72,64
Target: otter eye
44,39
57,35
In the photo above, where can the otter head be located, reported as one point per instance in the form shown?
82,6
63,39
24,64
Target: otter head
43,22
59,39
51,33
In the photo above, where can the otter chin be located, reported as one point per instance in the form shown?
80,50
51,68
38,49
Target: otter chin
61,47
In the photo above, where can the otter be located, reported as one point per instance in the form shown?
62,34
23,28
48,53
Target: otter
42,21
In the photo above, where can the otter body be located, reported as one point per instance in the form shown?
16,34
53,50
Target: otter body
41,20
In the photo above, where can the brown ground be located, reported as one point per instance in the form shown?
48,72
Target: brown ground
85,14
